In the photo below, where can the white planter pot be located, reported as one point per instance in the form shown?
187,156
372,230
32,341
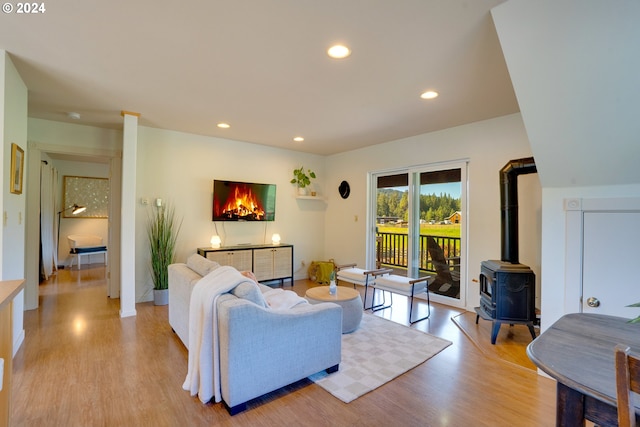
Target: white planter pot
161,296
302,191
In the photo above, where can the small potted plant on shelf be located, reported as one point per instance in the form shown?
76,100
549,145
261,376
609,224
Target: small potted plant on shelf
302,180
162,231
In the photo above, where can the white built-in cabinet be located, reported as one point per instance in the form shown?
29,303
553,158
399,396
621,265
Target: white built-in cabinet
268,262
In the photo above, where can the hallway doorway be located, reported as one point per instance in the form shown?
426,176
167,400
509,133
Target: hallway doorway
85,159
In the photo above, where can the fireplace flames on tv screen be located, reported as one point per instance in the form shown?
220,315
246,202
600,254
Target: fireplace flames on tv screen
243,201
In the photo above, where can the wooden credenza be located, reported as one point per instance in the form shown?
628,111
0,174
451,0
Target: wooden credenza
268,262
8,291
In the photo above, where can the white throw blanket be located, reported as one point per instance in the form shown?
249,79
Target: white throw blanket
279,299
203,374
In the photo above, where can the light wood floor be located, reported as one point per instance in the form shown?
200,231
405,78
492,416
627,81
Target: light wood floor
83,365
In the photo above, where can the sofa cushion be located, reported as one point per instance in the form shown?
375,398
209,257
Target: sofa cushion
88,250
201,265
353,275
251,292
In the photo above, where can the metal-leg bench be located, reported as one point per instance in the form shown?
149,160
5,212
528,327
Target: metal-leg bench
404,286
357,276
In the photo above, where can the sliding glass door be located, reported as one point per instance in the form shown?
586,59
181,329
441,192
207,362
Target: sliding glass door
418,226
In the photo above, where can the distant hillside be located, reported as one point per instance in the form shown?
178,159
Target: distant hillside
393,203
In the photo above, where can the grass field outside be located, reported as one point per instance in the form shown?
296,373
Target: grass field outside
441,230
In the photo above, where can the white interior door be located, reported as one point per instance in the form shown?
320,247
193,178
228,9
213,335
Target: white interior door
610,279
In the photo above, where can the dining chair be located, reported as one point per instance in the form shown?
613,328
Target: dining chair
627,384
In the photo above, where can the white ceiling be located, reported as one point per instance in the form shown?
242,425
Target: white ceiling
261,66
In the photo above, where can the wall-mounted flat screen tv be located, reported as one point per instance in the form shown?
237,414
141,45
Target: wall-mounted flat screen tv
243,201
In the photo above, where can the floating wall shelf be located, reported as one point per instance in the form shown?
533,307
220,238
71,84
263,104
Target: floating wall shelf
310,197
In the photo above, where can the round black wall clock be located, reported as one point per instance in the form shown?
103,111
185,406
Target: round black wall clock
344,189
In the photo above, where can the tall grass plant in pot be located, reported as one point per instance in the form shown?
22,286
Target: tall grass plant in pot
162,230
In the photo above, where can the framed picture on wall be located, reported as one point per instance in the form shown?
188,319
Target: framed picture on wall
93,193
17,168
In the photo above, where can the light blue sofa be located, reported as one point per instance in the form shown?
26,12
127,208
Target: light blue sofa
261,349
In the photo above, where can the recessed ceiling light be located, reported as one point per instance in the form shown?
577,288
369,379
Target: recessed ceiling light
298,139
430,94
338,51
224,125
73,115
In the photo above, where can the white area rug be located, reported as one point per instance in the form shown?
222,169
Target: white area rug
376,353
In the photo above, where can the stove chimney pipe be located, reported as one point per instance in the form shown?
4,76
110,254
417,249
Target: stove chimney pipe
509,205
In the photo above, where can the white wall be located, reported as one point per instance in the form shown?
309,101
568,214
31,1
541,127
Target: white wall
488,145
180,168
78,138
13,128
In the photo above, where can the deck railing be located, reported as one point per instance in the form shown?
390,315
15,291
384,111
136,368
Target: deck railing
392,250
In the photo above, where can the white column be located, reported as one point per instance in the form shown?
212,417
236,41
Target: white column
128,217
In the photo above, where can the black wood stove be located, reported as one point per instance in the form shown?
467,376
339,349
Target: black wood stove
507,288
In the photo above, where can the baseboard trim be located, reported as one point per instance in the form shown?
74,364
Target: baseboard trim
127,313
17,342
